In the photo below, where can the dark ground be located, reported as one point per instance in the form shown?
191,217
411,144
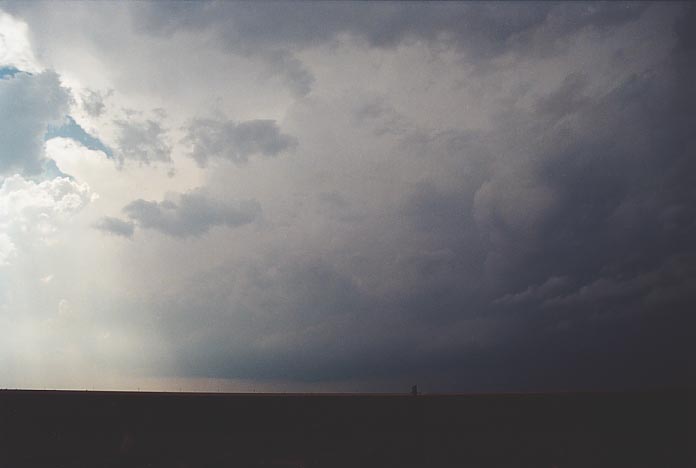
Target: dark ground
127,429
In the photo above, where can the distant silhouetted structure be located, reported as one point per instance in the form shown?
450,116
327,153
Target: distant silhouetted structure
414,390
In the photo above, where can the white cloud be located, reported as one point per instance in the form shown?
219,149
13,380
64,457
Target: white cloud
116,184
15,48
47,279
31,211
7,248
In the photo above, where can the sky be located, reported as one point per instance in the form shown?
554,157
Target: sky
352,197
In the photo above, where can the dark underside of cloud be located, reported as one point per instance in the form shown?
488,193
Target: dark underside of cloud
581,275
486,28
273,31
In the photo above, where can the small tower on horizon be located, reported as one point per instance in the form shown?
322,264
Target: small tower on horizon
414,390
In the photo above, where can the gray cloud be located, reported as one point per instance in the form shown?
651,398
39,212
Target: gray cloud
559,243
548,290
547,245
273,31
293,72
568,99
115,226
93,102
28,104
143,141
482,29
191,214
236,142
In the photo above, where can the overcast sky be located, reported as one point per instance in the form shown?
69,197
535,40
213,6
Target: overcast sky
347,196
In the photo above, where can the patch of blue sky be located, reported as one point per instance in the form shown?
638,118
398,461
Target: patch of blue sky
71,129
8,72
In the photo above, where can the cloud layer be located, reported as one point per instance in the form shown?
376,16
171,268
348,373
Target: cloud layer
352,196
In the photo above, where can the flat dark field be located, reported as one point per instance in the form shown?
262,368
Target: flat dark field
129,429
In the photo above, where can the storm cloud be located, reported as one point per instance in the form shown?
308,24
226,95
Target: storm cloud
467,196
482,29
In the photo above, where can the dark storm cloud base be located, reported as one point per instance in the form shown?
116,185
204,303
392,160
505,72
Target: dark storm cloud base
115,429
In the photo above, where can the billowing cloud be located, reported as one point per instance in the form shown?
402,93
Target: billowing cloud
7,248
235,142
33,212
15,47
191,214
